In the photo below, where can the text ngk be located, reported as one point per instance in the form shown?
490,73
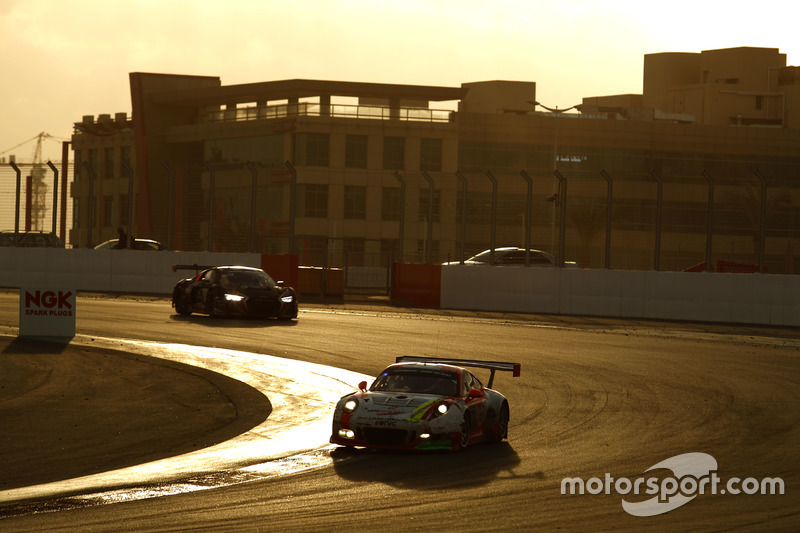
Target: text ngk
48,299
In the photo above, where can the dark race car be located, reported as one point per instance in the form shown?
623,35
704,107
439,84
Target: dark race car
424,403
235,291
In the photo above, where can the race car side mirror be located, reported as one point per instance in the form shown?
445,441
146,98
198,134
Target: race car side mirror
362,386
475,393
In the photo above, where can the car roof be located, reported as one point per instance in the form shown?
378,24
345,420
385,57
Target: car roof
425,366
239,267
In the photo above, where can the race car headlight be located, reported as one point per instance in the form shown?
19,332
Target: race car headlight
347,433
440,409
234,297
287,298
350,405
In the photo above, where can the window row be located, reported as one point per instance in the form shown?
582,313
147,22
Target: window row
106,163
112,212
313,149
313,202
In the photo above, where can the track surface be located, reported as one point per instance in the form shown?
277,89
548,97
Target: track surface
595,397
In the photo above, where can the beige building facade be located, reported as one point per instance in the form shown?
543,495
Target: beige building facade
703,164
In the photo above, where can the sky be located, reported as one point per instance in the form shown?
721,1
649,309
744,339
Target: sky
63,59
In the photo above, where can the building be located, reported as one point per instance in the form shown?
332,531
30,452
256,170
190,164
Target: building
363,173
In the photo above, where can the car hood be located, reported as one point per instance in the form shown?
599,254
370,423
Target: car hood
396,402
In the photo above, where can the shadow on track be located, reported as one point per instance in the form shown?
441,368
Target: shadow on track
224,322
477,465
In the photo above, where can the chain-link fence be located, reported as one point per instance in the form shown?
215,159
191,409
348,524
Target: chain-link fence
669,218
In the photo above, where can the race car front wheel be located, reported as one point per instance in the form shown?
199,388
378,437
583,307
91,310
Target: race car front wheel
466,431
182,306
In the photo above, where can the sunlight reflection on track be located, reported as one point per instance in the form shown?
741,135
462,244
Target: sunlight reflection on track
270,469
292,439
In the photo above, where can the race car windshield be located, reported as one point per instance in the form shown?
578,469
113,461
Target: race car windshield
252,280
438,383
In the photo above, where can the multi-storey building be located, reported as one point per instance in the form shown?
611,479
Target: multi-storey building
703,164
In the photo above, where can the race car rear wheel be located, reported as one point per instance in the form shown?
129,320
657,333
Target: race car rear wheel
502,423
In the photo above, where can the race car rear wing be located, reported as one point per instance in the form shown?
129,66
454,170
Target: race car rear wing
491,365
197,268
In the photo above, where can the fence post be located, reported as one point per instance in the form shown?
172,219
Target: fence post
16,209
562,217
429,229
90,224
212,179
762,230
171,206
494,216
253,203
55,197
709,218
127,166
292,204
399,177
659,202
528,215
464,185
609,197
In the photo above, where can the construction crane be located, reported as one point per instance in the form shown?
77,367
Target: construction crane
36,197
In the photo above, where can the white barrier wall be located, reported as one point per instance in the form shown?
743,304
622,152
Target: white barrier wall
124,271
699,296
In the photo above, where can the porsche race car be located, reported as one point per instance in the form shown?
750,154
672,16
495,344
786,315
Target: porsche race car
424,403
235,291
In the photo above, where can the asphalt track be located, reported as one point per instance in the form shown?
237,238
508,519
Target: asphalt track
596,396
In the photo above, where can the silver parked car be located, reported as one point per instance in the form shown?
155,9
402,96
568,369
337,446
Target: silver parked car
513,256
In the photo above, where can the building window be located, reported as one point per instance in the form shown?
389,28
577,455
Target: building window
424,196
394,153
355,202
391,203
312,149
93,157
108,211
123,210
108,163
125,157
76,213
315,200
355,151
430,154
78,165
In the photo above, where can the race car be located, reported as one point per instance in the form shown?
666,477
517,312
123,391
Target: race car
424,403
234,291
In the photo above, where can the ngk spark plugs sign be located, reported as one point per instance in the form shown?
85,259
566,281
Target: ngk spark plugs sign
46,313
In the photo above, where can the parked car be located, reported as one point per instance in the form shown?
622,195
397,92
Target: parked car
138,244
235,291
513,256
31,239
424,403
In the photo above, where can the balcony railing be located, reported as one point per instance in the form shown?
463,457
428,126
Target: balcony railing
310,109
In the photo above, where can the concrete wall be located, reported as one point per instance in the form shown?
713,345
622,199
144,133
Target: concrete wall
128,271
699,296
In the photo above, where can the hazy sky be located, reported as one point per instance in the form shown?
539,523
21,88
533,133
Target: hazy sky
62,59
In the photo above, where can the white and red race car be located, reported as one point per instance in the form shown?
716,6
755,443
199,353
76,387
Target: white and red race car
424,403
